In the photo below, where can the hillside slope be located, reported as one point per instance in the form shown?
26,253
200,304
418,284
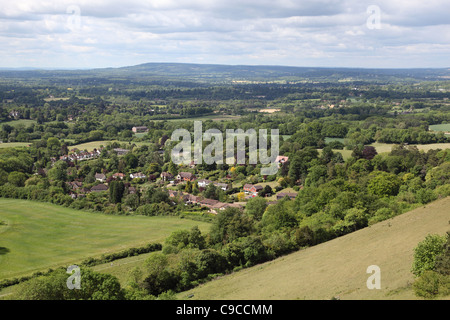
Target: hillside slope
338,268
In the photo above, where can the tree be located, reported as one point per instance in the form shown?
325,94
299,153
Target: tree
241,196
211,192
304,236
93,286
369,152
188,187
255,207
53,146
195,190
172,168
442,262
96,135
131,160
116,191
17,178
58,172
267,190
230,225
280,216
383,184
425,253
210,261
159,278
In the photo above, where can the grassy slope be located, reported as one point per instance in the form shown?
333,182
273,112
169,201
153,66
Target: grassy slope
41,235
338,267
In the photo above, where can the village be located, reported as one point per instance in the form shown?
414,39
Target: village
174,185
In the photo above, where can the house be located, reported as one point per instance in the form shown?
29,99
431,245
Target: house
131,190
217,207
166,176
139,129
99,188
138,175
281,195
100,177
202,183
118,175
174,194
74,185
281,159
191,199
222,206
252,189
222,186
120,151
186,176
208,202
83,191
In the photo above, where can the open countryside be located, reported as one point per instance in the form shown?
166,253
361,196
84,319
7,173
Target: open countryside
337,269
87,178
38,236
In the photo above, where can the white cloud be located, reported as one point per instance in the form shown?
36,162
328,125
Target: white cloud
317,33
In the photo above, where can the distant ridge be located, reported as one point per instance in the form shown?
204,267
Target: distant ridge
220,72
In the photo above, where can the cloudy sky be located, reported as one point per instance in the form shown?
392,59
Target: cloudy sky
322,33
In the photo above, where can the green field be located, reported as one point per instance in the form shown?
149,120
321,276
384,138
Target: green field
38,236
387,147
24,122
213,117
14,144
97,144
440,127
338,268
121,268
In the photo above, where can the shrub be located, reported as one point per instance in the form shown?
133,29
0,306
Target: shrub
425,253
427,285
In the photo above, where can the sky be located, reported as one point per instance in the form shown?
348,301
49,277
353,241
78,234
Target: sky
73,34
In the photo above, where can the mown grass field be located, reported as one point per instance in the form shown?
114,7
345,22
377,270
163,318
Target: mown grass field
440,127
14,144
338,268
24,122
38,236
97,144
387,147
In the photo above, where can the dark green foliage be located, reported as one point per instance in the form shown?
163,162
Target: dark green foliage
442,261
116,191
93,286
230,225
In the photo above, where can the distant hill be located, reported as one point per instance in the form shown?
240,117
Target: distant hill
227,73
337,268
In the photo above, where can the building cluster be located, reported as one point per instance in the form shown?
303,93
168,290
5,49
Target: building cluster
79,155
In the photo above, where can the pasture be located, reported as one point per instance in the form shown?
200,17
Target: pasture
36,236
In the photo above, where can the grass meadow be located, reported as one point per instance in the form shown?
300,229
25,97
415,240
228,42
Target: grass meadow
36,236
440,127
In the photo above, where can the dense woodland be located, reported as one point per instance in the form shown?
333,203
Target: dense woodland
318,122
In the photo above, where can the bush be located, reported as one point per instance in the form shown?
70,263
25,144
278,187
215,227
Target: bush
425,253
427,285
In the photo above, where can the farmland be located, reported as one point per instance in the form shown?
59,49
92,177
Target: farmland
362,151
38,236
